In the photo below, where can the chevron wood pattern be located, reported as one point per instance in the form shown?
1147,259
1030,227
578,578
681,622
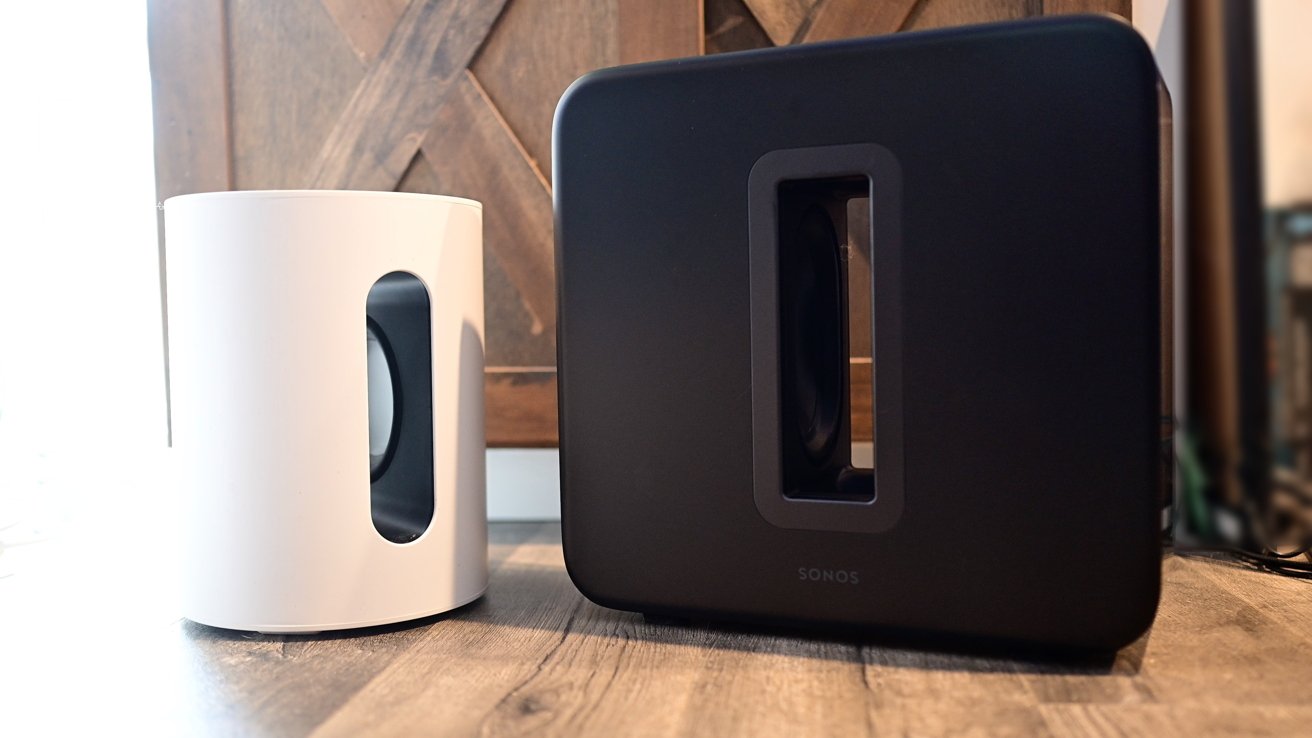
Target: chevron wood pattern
456,96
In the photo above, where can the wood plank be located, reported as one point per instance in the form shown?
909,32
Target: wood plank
1228,655
382,126
730,26
471,151
944,13
1198,720
1123,8
502,642
782,20
1209,645
292,73
651,31
290,684
366,23
521,407
525,67
835,19
189,78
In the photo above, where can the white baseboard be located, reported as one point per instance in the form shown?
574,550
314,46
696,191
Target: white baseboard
523,484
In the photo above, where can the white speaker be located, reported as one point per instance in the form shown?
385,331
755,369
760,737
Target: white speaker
326,367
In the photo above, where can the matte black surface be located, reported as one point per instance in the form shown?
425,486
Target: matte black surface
1028,309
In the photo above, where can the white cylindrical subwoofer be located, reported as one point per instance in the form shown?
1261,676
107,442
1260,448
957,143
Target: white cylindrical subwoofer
326,365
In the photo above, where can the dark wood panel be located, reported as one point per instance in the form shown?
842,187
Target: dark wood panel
783,19
944,13
850,18
730,26
524,66
1123,8
378,133
189,77
291,74
521,407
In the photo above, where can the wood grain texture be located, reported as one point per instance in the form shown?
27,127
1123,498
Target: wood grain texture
366,24
380,130
292,73
943,13
1230,654
835,19
1123,8
781,19
521,407
524,69
651,31
189,77
730,26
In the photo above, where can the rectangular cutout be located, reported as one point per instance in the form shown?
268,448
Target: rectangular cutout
822,304
807,473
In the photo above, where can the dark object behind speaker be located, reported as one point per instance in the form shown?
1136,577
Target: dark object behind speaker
1012,176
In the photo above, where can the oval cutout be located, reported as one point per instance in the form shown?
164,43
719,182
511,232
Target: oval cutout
399,358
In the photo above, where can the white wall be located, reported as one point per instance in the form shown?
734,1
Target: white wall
1285,43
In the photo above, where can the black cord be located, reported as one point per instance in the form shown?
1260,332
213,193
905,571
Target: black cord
1273,564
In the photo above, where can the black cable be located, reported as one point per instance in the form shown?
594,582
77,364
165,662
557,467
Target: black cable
1273,564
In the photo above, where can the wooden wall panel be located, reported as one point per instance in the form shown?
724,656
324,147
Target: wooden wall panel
730,26
377,135
650,31
783,19
294,74
191,116
943,13
849,18
456,97
524,70
1117,7
366,24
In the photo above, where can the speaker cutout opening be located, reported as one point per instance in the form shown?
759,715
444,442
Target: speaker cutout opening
825,300
399,362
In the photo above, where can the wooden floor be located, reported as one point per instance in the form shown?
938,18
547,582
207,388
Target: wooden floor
1230,654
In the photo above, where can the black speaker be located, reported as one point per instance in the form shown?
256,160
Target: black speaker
711,290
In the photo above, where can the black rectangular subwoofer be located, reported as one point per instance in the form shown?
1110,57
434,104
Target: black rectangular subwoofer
1008,181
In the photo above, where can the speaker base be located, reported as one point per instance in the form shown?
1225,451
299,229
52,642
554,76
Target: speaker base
315,628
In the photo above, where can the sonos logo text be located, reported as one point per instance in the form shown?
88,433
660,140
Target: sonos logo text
837,576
